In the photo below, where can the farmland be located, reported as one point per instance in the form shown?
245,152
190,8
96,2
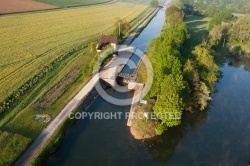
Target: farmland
67,3
50,49
12,6
31,41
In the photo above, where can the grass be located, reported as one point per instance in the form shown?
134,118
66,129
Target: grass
198,29
41,38
24,123
9,141
144,128
31,41
69,3
142,74
144,2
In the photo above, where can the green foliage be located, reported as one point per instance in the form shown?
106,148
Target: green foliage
203,96
216,35
240,31
211,10
226,15
160,128
216,20
174,15
154,3
92,47
223,12
168,78
206,65
237,6
122,28
169,100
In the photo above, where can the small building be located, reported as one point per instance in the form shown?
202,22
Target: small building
107,40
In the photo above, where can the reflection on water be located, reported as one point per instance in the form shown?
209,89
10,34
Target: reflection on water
245,61
218,136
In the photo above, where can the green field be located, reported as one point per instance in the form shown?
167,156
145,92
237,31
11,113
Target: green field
198,29
69,3
29,42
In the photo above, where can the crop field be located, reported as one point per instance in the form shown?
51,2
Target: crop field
69,3
31,41
12,6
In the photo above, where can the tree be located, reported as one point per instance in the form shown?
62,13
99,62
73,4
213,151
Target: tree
122,28
226,15
168,100
241,30
92,47
171,10
175,19
215,35
211,10
203,96
216,20
154,3
206,65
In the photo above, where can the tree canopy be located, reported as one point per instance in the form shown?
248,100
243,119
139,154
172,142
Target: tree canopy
241,30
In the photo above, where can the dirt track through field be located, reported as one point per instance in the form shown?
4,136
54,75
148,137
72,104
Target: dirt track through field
13,6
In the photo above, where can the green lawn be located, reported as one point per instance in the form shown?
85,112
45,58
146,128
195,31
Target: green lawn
70,3
198,29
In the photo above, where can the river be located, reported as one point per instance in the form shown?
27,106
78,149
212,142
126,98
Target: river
218,136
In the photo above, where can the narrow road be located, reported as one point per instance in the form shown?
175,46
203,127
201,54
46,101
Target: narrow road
45,135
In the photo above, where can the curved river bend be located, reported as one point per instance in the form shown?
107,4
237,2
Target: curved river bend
218,136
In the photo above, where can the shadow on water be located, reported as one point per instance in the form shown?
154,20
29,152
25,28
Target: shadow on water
162,148
245,61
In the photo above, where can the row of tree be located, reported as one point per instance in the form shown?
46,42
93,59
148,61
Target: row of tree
235,33
236,6
181,82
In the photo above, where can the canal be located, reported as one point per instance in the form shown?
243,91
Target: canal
218,136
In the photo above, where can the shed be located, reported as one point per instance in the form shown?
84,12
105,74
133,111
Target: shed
107,40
